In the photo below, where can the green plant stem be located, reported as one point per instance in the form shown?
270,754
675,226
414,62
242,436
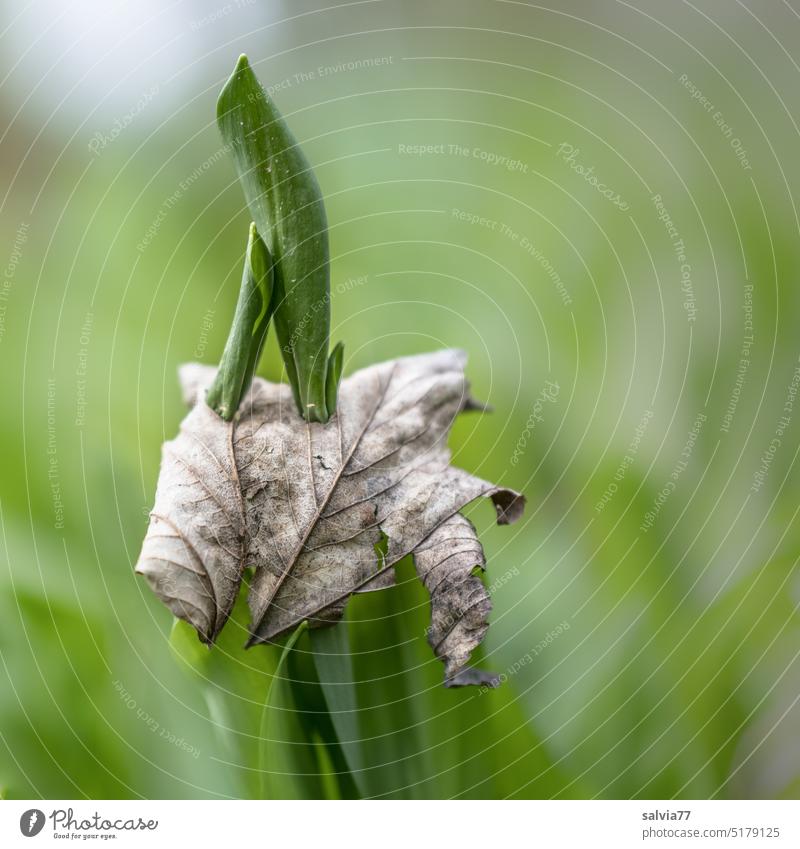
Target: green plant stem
264,726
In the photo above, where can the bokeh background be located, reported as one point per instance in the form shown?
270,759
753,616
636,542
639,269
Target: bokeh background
598,201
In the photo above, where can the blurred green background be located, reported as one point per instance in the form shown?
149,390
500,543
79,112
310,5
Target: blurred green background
599,195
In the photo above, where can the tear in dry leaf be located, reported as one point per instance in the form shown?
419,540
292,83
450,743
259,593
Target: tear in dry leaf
306,505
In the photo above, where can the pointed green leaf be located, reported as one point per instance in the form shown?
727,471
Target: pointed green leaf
334,665
248,331
270,786
286,203
333,377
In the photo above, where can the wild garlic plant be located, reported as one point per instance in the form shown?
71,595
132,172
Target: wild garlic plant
300,497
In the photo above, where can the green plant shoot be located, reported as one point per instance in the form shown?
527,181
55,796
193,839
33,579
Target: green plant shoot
248,331
285,201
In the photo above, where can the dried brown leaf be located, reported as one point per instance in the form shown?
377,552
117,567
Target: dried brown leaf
307,504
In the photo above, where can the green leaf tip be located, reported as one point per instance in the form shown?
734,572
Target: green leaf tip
248,331
285,202
333,377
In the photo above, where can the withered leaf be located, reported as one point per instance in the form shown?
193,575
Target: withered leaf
307,505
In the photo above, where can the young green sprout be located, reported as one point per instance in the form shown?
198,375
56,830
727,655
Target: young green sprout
248,331
286,204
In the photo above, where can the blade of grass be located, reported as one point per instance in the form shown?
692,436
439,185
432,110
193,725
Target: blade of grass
265,728
333,661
